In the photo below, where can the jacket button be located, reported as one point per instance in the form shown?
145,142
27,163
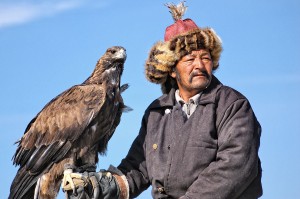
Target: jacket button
154,146
161,189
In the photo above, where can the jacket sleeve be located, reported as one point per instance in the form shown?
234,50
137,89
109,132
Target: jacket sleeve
237,163
134,164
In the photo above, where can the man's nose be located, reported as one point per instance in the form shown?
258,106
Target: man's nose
198,63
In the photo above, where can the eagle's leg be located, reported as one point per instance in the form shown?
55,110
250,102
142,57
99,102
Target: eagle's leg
49,186
50,182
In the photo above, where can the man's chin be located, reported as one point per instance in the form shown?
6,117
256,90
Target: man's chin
201,84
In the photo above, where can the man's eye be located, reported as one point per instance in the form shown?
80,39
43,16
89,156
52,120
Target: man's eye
206,58
190,60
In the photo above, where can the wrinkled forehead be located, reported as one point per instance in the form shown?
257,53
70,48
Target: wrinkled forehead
200,52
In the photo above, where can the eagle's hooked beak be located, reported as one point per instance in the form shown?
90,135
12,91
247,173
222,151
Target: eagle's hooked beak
121,54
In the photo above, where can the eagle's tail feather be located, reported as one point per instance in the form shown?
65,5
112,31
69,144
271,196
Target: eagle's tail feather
23,185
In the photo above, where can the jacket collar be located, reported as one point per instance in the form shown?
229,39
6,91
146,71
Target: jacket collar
208,96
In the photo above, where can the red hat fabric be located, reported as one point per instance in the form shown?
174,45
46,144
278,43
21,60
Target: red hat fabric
179,27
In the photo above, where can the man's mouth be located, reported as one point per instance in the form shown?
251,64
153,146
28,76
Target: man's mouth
197,74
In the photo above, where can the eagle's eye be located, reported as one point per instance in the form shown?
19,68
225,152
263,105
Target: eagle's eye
112,51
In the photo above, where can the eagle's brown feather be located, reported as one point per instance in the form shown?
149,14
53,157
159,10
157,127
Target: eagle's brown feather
71,129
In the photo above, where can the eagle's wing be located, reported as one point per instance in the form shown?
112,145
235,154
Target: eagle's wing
49,136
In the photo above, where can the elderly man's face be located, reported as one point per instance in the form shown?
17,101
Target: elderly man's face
193,73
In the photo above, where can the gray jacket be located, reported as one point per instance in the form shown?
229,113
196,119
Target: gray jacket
211,155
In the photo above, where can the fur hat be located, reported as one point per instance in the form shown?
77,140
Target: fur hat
181,38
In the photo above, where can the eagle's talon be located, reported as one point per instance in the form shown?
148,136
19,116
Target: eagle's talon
68,183
95,185
71,181
67,180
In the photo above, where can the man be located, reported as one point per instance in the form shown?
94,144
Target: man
199,140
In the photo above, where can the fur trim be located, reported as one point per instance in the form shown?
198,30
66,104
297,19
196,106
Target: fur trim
160,62
123,186
163,56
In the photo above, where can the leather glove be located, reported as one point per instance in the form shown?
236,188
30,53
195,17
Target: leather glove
88,184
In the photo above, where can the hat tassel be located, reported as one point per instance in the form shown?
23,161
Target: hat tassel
177,11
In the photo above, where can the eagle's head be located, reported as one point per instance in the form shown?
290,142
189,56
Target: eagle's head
110,65
114,58
116,53
113,61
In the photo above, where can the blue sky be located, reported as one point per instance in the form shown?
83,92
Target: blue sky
48,46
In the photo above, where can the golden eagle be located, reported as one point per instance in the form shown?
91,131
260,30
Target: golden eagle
71,129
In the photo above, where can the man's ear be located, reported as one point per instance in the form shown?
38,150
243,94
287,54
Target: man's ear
173,73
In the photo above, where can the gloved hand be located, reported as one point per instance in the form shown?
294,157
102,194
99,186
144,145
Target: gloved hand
87,184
